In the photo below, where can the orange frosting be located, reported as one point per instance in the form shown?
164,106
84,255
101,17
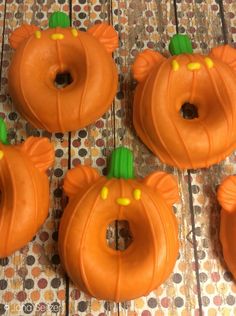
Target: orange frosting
227,198
85,57
165,85
24,190
94,203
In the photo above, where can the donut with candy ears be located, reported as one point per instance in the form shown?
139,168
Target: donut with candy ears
24,188
62,79
185,105
95,202
226,195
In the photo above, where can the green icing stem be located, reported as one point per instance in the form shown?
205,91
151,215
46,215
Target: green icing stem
121,164
180,44
3,132
59,19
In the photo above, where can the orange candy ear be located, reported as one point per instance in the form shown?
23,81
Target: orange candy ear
225,53
145,62
21,33
106,35
40,151
226,194
164,183
78,178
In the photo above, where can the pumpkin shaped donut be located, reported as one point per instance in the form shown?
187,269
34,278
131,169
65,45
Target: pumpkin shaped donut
185,106
61,79
95,202
24,190
226,195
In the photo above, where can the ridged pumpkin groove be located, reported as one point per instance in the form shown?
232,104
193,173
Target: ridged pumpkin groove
226,195
24,190
165,85
83,57
96,203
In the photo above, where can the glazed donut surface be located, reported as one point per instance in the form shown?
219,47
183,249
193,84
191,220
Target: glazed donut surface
84,61
226,197
203,83
98,202
24,191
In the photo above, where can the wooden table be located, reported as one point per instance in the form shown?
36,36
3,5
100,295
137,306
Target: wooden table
32,280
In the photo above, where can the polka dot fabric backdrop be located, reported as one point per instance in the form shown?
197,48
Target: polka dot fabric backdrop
32,281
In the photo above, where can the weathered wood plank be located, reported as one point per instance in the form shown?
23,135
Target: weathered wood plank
91,146
34,275
150,25
134,21
202,20
32,281
3,16
227,12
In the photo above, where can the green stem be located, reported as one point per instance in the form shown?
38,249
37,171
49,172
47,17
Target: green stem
3,132
59,19
180,44
121,164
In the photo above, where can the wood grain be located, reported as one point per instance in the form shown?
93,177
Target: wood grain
200,282
207,27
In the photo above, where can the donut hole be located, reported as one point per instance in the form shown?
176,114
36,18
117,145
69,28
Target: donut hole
189,111
118,235
63,79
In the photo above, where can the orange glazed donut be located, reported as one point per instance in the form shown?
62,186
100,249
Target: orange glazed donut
24,191
185,106
94,203
227,198
61,79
